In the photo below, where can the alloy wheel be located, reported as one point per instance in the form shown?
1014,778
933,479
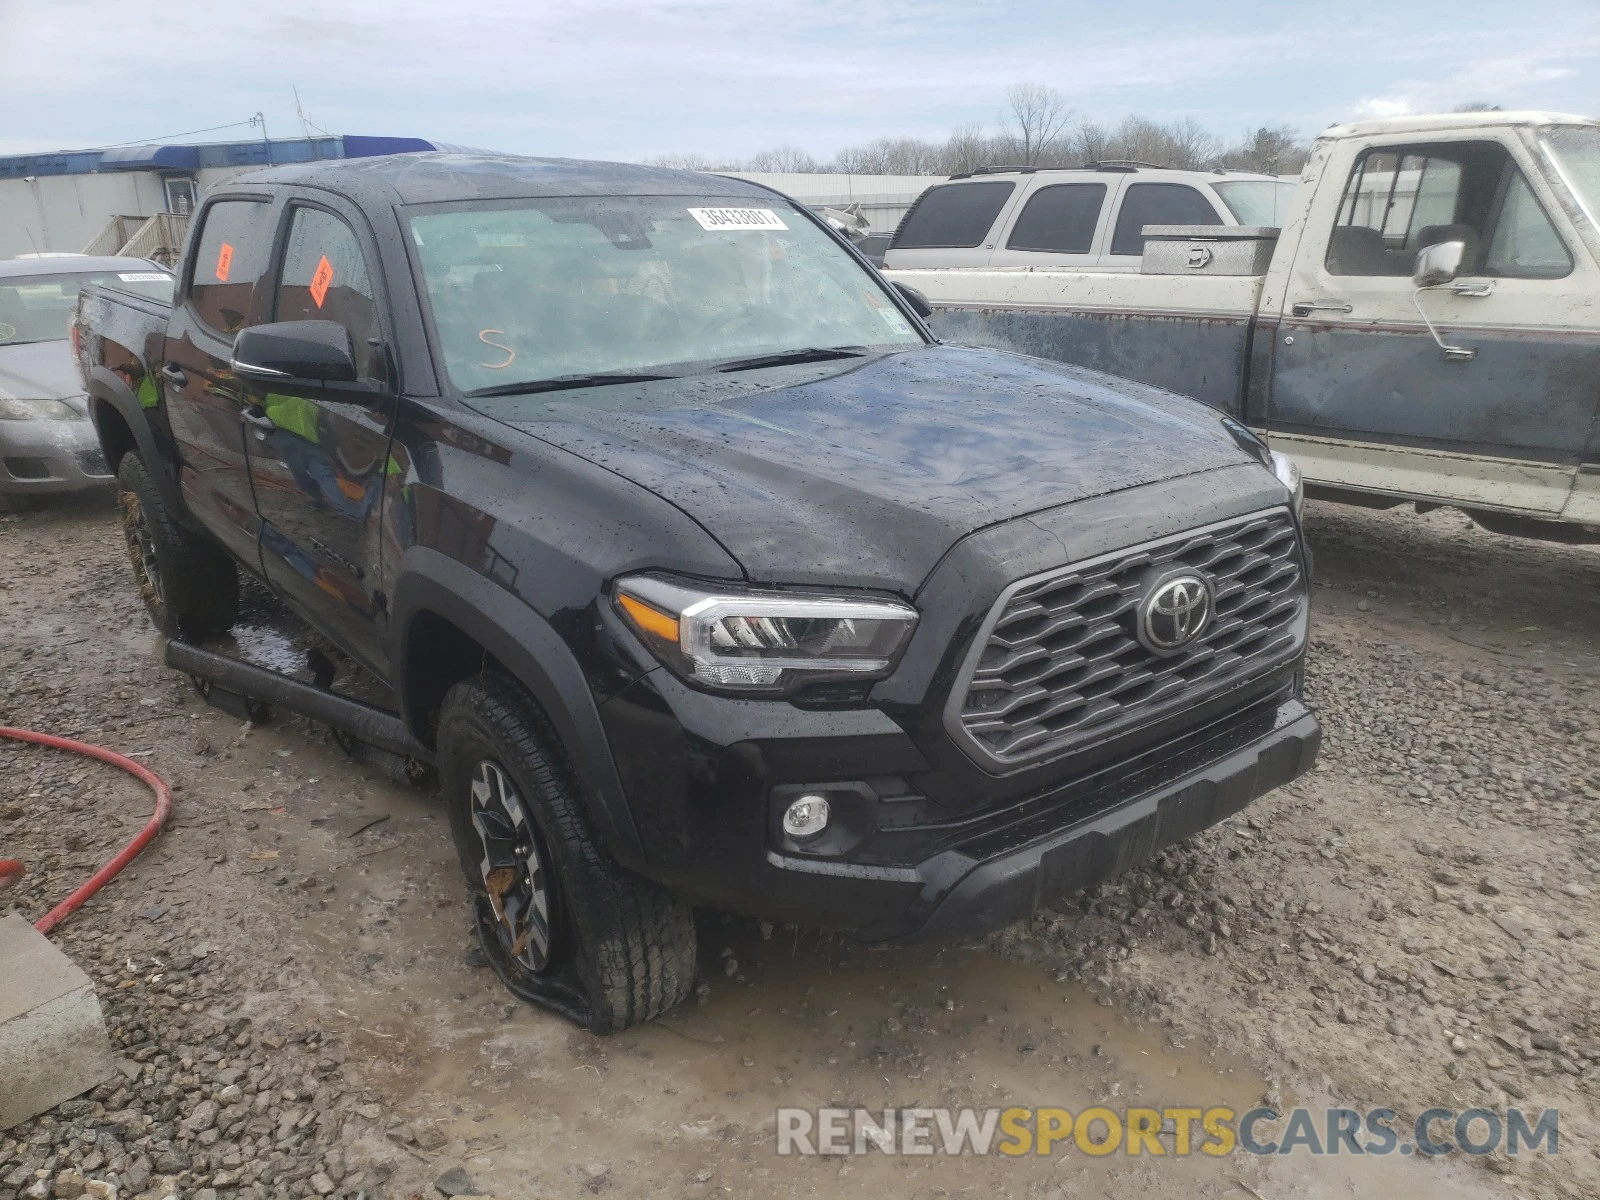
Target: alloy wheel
514,872
142,549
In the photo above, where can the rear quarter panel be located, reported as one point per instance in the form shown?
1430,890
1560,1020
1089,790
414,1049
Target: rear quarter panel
119,338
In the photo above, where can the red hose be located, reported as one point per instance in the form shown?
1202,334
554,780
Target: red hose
129,852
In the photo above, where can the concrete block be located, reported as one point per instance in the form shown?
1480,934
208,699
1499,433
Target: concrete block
53,1042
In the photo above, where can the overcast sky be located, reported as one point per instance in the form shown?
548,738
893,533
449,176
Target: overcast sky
729,77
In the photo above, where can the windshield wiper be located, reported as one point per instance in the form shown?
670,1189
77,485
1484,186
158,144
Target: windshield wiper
809,354
562,382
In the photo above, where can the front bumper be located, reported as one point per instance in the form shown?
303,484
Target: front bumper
707,812
993,892
51,456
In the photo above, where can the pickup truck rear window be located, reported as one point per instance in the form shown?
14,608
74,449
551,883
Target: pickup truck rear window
1158,204
953,215
535,290
1060,218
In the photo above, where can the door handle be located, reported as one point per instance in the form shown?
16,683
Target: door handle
173,375
1304,308
256,417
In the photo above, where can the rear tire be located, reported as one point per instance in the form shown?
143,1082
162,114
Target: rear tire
189,585
561,923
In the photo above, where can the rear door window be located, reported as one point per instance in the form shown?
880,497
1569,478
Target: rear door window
1060,219
325,278
229,260
954,215
1158,204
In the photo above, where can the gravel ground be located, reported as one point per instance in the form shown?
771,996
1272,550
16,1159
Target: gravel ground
295,1006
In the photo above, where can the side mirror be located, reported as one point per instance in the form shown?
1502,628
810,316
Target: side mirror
1438,264
919,302
311,350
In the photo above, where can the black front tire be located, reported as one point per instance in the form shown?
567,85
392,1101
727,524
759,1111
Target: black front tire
617,949
189,585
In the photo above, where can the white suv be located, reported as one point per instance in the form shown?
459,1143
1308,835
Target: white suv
1091,216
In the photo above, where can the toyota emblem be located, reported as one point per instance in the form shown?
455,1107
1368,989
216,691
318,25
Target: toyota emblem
1175,612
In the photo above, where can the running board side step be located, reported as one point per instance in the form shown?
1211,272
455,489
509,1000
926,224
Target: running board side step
246,682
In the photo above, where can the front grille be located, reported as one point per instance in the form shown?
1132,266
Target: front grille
1061,667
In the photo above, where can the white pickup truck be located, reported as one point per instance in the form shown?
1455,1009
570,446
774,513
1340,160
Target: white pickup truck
1425,325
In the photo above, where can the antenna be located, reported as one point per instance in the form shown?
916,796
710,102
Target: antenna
308,128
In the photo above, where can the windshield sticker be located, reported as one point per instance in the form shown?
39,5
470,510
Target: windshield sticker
144,277
737,218
224,261
320,279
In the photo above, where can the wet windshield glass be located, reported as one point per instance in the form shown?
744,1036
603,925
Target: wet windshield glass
36,308
1576,151
1256,201
575,286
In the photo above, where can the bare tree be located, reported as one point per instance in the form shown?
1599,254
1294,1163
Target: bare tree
1089,142
1036,133
1477,106
1035,115
967,150
790,159
1189,145
1271,150
688,162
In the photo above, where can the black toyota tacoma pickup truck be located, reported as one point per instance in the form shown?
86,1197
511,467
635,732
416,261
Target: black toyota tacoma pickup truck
701,571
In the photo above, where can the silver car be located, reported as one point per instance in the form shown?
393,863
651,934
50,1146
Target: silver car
47,442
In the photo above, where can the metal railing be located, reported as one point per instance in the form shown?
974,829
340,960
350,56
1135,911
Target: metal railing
159,238
113,235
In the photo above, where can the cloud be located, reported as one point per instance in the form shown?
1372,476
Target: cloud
602,78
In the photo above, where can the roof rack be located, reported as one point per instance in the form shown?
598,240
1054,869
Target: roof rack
995,171
1122,164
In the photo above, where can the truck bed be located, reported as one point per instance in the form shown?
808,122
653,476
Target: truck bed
1189,334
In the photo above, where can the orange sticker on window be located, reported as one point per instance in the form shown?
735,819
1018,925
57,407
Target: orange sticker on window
224,261
320,279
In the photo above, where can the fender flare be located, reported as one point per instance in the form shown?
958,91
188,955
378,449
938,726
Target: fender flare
527,646
105,386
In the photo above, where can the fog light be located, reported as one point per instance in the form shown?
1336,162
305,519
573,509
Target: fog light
806,817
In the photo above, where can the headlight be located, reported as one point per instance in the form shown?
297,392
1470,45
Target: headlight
1288,474
14,408
762,641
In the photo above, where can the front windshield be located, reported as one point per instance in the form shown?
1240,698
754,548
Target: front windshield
36,308
570,286
1576,151
1257,201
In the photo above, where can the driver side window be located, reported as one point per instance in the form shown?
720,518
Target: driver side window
325,278
1400,199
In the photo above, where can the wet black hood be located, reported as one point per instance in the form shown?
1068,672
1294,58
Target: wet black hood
866,473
